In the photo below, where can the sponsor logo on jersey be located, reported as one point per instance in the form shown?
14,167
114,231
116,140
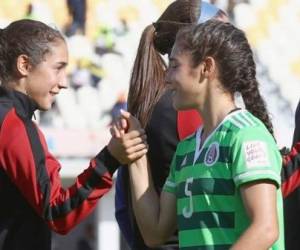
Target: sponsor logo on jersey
212,154
256,154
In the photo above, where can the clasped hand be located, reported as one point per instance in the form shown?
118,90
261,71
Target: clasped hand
129,140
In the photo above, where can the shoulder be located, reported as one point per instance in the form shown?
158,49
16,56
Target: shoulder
243,119
246,126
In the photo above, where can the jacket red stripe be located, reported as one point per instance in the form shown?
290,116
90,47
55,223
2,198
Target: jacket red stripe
25,158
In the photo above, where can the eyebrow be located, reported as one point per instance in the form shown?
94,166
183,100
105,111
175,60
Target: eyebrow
62,64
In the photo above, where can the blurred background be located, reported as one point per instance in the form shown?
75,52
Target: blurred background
103,36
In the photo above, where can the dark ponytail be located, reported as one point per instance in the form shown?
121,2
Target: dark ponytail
247,84
147,78
237,70
254,102
147,82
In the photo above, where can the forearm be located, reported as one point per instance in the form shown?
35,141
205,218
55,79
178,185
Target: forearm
39,182
76,202
259,236
145,201
156,217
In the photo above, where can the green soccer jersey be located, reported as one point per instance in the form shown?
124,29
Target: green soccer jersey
206,181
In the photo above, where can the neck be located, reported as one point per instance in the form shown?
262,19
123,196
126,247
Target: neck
214,110
15,85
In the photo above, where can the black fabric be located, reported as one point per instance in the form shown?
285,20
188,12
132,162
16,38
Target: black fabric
292,201
39,158
292,220
5,103
105,161
162,138
297,125
20,227
18,222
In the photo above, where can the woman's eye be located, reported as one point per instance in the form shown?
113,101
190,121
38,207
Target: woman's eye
58,68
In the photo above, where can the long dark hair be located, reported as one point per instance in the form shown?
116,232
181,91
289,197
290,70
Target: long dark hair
28,37
230,48
147,82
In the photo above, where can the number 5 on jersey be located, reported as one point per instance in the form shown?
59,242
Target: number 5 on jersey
188,210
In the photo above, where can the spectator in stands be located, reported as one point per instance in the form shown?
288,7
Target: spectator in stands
121,103
77,11
230,9
29,11
150,101
33,60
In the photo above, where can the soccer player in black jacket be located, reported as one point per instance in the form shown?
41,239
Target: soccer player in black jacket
33,58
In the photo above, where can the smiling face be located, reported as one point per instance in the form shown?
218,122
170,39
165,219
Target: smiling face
184,80
46,79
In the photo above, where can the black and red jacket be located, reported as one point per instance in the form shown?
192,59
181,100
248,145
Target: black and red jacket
291,189
291,171
33,201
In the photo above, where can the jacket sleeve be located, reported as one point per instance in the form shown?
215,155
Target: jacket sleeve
25,158
296,137
291,170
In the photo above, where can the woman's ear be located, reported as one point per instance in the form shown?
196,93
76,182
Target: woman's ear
23,65
209,67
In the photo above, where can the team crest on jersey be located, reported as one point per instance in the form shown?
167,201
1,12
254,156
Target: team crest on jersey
212,154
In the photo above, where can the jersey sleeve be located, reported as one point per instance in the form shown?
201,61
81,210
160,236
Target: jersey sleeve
170,184
25,158
255,156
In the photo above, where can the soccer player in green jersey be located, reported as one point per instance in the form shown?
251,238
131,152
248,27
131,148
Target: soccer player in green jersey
223,190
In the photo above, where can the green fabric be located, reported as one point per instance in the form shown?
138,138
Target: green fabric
210,211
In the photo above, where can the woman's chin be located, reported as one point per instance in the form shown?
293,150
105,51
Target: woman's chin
44,106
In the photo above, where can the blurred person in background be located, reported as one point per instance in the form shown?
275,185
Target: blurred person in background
151,102
33,60
121,103
77,12
29,11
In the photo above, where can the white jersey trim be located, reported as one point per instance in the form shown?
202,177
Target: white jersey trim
248,119
198,150
255,173
170,184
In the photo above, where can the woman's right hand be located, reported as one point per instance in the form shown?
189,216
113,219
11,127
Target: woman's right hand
129,140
